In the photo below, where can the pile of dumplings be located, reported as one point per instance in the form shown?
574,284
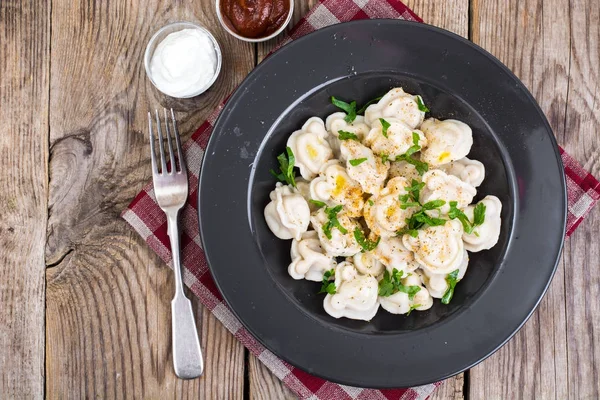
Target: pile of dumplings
367,175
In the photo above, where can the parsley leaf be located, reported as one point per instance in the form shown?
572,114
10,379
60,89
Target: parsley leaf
328,286
415,147
286,166
384,126
371,203
420,166
344,135
390,284
333,221
349,109
455,213
412,307
384,158
364,108
366,244
421,105
357,161
433,204
406,203
479,214
318,203
452,280
415,189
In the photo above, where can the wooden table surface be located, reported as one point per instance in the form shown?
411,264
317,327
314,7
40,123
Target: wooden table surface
84,303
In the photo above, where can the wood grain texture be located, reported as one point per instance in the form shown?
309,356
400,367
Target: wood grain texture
553,47
581,255
24,68
108,300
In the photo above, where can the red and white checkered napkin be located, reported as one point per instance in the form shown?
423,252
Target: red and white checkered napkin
149,221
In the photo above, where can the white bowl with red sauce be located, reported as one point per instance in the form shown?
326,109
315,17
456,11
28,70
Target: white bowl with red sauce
259,32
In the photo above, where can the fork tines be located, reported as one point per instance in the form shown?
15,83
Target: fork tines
177,165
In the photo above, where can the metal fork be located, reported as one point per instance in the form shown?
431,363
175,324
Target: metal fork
171,191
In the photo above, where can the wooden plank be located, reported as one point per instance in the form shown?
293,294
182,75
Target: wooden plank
24,67
536,39
582,251
108,298
452,15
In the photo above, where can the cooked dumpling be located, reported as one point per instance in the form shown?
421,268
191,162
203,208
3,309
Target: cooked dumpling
334,186
484,236
288,214
400,302
447,141
367,263
438,249
467,170
396,104
384,217
340,244
303,187
405,170
356,294
440,186
368,170
336,123
392,253
397,140
308,258
310,147
437,283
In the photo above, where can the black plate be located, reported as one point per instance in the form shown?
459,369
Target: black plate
362,60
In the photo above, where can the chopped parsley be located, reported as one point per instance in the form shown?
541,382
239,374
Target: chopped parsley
415,147
390,284
384,158
344,135
421,105
384,127
366,244
371,203
318,203
364,108
333,221
478,216
286,166
327,286
357,161
348,108
420,166
420,218
452,279
412,307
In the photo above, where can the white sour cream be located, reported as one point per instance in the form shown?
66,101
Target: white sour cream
184,63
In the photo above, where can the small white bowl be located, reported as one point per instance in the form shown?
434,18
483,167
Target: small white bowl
253,40
163,33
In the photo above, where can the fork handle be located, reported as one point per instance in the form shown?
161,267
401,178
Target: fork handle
187,355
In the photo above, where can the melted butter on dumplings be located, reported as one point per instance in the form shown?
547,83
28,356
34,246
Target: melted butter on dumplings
385,217
334,186
447,141
310,147
371,173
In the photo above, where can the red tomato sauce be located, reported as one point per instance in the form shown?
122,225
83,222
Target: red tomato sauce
255,18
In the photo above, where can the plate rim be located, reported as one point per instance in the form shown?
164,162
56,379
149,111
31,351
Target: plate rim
548,129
